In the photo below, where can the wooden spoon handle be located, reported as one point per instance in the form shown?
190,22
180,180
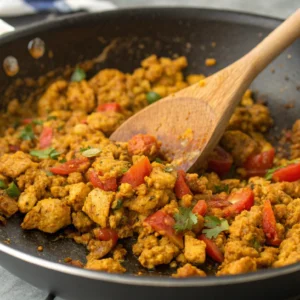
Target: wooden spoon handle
283,36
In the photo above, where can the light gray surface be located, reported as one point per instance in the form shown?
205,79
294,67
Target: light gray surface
12,288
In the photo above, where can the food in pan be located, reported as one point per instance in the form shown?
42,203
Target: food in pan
239,214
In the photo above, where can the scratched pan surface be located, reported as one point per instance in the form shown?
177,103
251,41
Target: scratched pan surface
139,33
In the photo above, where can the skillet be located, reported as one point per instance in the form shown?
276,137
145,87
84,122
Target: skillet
141,32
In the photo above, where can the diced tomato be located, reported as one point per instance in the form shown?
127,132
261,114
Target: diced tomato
46,137
74,165
289,173
181,188
109,107
163,224
269,225
109,184
218,202
14,148
220,161
106,234
257,165
241,200
136,174
143,144
212,249
200,208
27,121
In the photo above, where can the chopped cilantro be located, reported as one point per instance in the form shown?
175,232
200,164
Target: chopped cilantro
270,172
256,244
13,190
84,149
185,219
16,124
78,75
59,128
118,205
2,185
63,160
38,122
221,188
49,173
44,154
124,170
91,152
214,226
158,160
27,133
169,169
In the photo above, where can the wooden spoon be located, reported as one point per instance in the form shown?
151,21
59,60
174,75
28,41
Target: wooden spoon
190,122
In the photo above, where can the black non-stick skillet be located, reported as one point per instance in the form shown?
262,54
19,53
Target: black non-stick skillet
139,33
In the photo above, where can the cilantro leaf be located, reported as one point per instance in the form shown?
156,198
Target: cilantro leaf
169,169
44,154
214,226
158,160
124,170
91,152
78,75
84,149
49,173
27,133
270,172
13,190
2,185
185,219
221,188
51,118
62,161
38,122
118,205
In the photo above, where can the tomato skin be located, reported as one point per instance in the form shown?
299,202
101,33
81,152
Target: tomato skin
289,173
200,208
73,165
269,225
46,137
181,188
217,202
220,161
241,200
163,224
27,121
136,174
109,107
106,234
212,249
109,184
14,148
143,144
257,165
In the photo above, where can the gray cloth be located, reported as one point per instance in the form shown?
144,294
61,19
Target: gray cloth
16,289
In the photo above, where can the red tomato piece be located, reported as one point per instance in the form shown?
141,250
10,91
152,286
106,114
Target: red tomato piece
241,200
109,107
106,234
136,174
73,165
143,144
181,188
200,208
217,202
163,224
257,165
109,184
212,249
289,173
26,121
14,148
46,137
220,161
269,225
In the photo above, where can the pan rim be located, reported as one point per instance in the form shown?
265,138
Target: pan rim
129,279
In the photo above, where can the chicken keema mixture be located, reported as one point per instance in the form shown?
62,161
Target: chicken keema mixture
60,170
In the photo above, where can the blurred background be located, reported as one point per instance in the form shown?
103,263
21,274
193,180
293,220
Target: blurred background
19,13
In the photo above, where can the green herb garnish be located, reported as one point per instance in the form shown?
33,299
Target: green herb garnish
44,154
84,149
214,226
221,188
2,185
256,244
51,118
185,219
38,122
270,172
63,160
91,152
13,190
169,169
49,173
158,160
152,97
78,75
119,204
27,133
124,170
